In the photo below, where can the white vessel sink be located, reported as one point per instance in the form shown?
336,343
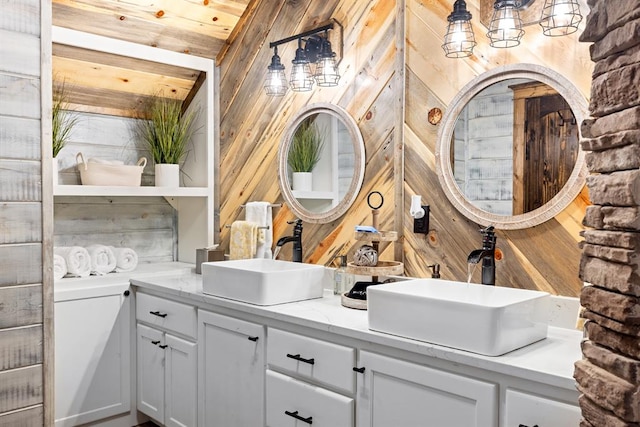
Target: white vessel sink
488,320
262,281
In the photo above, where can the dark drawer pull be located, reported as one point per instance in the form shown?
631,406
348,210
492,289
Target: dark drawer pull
155,342
295,415
157,313
254,339
163,346
359,370
301,359
522,425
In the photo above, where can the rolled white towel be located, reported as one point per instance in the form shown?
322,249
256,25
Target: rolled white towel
77,258
103,260
59,267
126,259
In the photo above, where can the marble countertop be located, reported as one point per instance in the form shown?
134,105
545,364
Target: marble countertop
549,361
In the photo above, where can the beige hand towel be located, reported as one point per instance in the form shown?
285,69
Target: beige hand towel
260,213
243,240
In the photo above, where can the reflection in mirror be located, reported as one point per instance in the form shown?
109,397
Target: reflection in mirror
507,153
514,146
325,190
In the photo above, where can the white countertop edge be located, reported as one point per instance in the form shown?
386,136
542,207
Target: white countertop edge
540,362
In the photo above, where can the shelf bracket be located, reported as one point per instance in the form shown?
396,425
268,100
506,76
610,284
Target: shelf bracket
173,201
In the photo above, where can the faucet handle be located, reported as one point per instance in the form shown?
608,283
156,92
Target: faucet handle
488,230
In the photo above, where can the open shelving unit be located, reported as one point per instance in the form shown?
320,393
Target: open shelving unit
194,204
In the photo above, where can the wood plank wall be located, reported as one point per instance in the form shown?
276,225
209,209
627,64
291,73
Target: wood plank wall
22,293
544,257
252,124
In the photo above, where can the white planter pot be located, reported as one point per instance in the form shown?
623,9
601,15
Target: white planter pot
54,170
302,181
167,175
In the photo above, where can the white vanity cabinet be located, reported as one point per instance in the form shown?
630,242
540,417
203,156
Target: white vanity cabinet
231,371
92,346
167,360
393,392
529,410
316,382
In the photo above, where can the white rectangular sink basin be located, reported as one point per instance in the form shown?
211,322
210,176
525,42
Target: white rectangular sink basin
262,281
482,319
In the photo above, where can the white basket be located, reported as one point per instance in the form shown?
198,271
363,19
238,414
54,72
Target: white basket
98,173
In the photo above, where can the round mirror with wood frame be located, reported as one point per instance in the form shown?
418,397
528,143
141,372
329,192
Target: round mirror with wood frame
520,217
338,175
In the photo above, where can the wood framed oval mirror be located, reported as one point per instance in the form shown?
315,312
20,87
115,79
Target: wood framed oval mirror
336,178
508,150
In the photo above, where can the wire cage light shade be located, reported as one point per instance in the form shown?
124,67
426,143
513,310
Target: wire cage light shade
505,28
459,40
301,78
326,74
275,83
560,17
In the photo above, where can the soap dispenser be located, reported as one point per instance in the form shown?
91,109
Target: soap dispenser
342,280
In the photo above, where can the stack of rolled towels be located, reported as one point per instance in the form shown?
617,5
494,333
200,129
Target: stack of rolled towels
77,261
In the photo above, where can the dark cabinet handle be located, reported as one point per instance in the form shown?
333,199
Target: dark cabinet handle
301,359
254,339
295,415
126,293
157,313
522,425
359,370
163,346
155,342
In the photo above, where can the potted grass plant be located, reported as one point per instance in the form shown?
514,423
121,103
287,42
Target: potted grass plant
304,154
166,131
62,123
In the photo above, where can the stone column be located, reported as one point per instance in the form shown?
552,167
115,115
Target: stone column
609,374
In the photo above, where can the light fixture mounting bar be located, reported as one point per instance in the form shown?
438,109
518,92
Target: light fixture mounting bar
317,30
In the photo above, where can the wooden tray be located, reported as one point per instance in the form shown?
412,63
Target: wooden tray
358,304
380,236
383,268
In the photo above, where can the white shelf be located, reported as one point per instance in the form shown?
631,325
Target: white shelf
99,190
317,195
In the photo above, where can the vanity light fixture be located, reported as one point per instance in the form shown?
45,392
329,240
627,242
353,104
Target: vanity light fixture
316,50
559,18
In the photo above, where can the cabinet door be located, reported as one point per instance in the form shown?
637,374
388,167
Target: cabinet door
529,410
231,369
181,382
151,379
393,392
92,365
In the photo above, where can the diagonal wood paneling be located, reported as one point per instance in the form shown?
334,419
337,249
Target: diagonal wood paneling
252,124
544,257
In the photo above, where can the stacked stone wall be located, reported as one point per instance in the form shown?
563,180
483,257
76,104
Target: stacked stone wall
608,376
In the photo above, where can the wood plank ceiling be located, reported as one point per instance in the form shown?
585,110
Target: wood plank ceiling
115,85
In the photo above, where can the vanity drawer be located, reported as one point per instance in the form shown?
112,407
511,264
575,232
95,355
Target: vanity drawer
529,410
289,401
318,360
166,314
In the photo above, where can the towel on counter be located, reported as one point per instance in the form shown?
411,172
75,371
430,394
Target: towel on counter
126,259
243,240
77,258
260,213
103,260
59,267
